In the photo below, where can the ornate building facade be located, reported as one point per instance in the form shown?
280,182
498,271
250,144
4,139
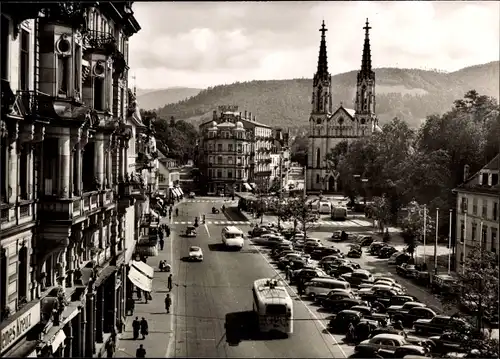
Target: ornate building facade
77,166
234,151
327,127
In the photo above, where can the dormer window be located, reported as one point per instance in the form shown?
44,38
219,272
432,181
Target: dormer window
484,179
494,179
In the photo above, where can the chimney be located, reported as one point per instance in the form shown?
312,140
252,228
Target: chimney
245,114
249,115
466,172
214,115
240,114
254,118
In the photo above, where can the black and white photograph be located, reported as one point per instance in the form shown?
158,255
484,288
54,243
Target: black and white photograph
249,179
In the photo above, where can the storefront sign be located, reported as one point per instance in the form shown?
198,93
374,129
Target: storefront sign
15,330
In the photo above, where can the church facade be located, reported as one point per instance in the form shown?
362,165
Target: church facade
328,127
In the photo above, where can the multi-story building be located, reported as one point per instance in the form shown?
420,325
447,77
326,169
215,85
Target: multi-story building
327,128
478,217
229,148
72,193
168,177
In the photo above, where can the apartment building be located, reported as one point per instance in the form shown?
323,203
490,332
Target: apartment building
234,151
77,168
478,217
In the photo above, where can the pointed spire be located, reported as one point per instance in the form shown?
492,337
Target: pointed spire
366,62
322,59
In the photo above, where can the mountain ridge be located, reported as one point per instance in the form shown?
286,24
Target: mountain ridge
410,94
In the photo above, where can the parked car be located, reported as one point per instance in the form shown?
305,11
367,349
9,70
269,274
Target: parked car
369,313
321,252
310,246
354,253
305,274
438,324
375,246
406,270
365,241
336,304
399,258
386,252
409,317
340,270
387,343
448,342
405,308
443,284
340,323
336,235
358,277
341,294
401,299
382,295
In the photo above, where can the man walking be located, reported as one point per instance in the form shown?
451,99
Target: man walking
162,241
144,328
136,327
167,230
169,283
140,352
168,303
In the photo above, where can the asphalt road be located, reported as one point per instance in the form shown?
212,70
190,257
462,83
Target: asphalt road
205,293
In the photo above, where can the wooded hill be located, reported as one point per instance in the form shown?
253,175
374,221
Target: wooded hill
409,94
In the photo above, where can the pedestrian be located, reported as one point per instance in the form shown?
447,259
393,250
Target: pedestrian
140,352
110,347
167,229
168,303
139,293
287,273
144,328
130,306
162,242
290,273
147,296
169,283
136,327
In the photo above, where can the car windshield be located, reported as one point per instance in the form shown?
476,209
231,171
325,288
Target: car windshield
194,249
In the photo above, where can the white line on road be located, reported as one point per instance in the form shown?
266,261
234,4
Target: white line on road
303,303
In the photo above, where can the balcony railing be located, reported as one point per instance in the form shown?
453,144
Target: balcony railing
99,40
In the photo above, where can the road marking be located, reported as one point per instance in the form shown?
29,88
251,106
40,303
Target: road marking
305,305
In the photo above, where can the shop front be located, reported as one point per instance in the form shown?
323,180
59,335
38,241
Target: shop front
19,333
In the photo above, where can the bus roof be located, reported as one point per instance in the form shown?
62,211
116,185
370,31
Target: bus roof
233,229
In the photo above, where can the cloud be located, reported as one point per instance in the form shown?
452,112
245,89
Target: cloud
208,43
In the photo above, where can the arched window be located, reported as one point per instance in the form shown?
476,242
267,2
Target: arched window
318,157
317,178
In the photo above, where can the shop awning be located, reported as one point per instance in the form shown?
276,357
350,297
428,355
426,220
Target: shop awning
254,186
177,192
247,186
58,340
154,214
180,191
141,275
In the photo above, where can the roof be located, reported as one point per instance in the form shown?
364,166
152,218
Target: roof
472,185
348,111
226,124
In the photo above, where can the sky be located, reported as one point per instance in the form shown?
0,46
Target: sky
202,44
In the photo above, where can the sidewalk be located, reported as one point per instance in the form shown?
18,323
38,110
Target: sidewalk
160,323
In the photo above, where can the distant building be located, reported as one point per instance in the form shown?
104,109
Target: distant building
478,218
235,151
327,128
168,177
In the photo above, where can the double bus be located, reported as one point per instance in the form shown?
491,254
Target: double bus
273,306
232,237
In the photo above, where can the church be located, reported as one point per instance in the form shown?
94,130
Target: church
327,128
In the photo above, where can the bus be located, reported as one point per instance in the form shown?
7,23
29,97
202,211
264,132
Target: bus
339,213
273,306
232,237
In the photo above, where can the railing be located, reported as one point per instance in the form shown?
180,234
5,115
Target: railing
99,40
94,201
86,203
24,210
77,206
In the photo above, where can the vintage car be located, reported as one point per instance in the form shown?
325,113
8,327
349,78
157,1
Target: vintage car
190,231
195,254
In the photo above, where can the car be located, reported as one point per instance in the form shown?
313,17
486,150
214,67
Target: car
448,342
406,270
374,248
342,294
405,308
438,324
336,235
195,254
190,231
443,284
357,277
414,314
395,286
191,195
385,342
365,241
339,238
338,302
399,258
309,247
401,299
369,313
341,270
386,252
321,252
270,238
305,274
340,323
281,253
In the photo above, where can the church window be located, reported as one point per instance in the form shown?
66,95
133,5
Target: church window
363,121
318,121
341,121
363,96
317,178
318,157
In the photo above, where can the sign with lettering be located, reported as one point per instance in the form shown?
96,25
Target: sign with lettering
15,330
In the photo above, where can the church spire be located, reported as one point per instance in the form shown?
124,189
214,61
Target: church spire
322,71
366,62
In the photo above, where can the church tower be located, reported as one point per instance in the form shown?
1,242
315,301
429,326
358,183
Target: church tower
318,121
365,91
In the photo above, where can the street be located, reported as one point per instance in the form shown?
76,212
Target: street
205,293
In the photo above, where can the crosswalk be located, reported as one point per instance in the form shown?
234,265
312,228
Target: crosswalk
348,223
227,201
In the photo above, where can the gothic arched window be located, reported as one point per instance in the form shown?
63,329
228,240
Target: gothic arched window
318,157
363,96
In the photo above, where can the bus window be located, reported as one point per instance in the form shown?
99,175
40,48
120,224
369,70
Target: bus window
275,309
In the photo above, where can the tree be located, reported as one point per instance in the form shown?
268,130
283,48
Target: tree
412,225
281,210
381,211
301,212
299,148
478,284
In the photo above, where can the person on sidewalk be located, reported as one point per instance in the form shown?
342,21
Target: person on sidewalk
139,293
169,283
144,328
167,230
130,306
110,347
168,303
140,352
162,241
136,327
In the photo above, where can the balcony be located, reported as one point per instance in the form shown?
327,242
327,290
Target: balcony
100,41
15,215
